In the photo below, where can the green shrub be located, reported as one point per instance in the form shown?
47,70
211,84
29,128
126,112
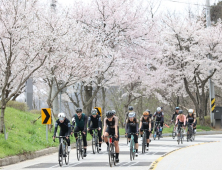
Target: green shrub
17,105
35,111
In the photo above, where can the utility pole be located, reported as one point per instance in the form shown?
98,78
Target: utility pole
211,84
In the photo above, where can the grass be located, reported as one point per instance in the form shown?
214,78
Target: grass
23,136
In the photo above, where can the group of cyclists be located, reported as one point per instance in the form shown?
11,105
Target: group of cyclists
110,127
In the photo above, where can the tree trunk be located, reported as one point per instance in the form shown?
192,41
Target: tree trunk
88,94
2,118
103,101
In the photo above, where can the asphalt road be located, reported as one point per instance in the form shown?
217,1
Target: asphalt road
163,154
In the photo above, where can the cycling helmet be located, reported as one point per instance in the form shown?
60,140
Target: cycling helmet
180,112
190,111
109,114
130,108
177,108
61,116
114,112
158,109
145,113
94,112
78,110
132,114
147,110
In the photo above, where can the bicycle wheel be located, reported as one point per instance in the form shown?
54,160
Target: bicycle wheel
113,154
188,134
82,149
144,143
173,134
93,144
158,132
178,137
60,155
110,156
181,136
131,150
193,137
97,144
78,151
67,155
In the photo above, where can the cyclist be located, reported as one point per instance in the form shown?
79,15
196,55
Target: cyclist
110,128
159,117
96,123
80,119
145,123
114,112
65,128
132,127
181,120
130,109
191,118
175,115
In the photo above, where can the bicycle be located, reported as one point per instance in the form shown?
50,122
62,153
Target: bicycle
111,151
180,135
156,130
63,150
79,144
144,142
132,146
189,132
95,143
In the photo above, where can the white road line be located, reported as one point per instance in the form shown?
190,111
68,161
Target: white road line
134,164
126,163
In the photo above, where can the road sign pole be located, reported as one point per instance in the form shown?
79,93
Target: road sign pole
47,133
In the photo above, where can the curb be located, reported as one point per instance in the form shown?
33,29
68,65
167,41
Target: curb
23,157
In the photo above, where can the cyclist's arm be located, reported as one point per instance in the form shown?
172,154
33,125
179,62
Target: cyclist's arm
73,123
69,128
100,123
56,127
126,126
150,124
173,117
137,127
116,124
85,125
89,121
184,122
162,118
194,120
104,128
176,120
140,124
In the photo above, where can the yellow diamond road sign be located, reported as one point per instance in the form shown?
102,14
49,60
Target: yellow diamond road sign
99,110
46,116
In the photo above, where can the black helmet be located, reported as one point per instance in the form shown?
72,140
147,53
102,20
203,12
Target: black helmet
177,108
180,111
148,110
130,108
78,110
109,114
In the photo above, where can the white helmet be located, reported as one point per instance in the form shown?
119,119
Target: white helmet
132,114
158,109
190,111
61,116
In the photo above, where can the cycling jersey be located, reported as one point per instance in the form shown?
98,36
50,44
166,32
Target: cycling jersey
146,122
81,123
110,127
191,118
96,122
159,116
65,129
131,126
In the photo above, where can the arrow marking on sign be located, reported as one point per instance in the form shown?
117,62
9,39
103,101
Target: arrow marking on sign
47,116
98,111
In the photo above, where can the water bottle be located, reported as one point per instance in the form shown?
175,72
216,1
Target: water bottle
160,129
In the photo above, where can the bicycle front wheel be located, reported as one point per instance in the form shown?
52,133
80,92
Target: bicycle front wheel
110,156
82,149
154,135
60,155
131,150
78,152
67,155
144,143
93,144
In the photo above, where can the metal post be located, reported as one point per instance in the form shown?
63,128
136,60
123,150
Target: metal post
29,93
47,133
211,85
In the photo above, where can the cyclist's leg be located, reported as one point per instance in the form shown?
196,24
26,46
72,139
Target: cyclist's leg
129,135
68,141
147,138
136,142
116,143
90,131
107,132
99,135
